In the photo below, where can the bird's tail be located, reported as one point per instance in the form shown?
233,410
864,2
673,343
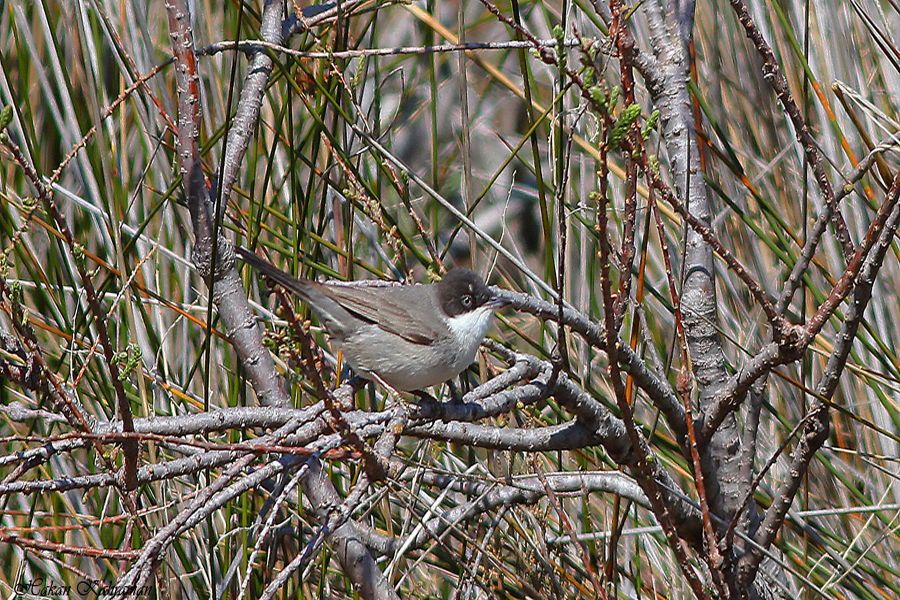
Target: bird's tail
264,267
331,313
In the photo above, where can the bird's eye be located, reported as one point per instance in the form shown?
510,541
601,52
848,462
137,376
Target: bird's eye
467,301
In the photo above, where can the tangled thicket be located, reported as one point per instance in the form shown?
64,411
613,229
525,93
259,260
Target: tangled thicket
691,210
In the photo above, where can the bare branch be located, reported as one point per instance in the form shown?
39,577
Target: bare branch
212,254
521,490
772,73
259,45
130,447
816,431
658,390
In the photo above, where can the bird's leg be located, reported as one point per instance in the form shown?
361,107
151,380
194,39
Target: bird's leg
354,380
455,396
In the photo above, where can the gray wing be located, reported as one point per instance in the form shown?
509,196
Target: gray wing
387,308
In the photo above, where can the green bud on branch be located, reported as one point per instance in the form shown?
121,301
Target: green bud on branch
650,125
614,96
6,116
598,95
620,129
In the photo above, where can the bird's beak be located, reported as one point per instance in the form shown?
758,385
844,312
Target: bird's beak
497,302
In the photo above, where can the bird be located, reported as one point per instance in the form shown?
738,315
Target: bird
412,336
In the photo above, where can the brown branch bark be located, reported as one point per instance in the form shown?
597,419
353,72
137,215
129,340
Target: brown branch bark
212,255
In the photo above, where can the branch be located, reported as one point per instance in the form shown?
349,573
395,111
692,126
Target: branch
344,536
203,504
845,283
779,324
863,167
567,436
246,118
772,73
776,354
211,253
816,431
647,469
123,406
251,46
522,490
318,14
658,390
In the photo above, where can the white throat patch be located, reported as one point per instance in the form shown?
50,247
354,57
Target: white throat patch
469,328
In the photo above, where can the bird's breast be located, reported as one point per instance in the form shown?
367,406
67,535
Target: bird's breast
468,330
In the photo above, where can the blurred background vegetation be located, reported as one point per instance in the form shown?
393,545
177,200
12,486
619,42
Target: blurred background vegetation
489,130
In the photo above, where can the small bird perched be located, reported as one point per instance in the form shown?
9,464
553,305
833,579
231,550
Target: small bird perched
410,336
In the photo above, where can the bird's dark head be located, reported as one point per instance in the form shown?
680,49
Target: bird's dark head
462,291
